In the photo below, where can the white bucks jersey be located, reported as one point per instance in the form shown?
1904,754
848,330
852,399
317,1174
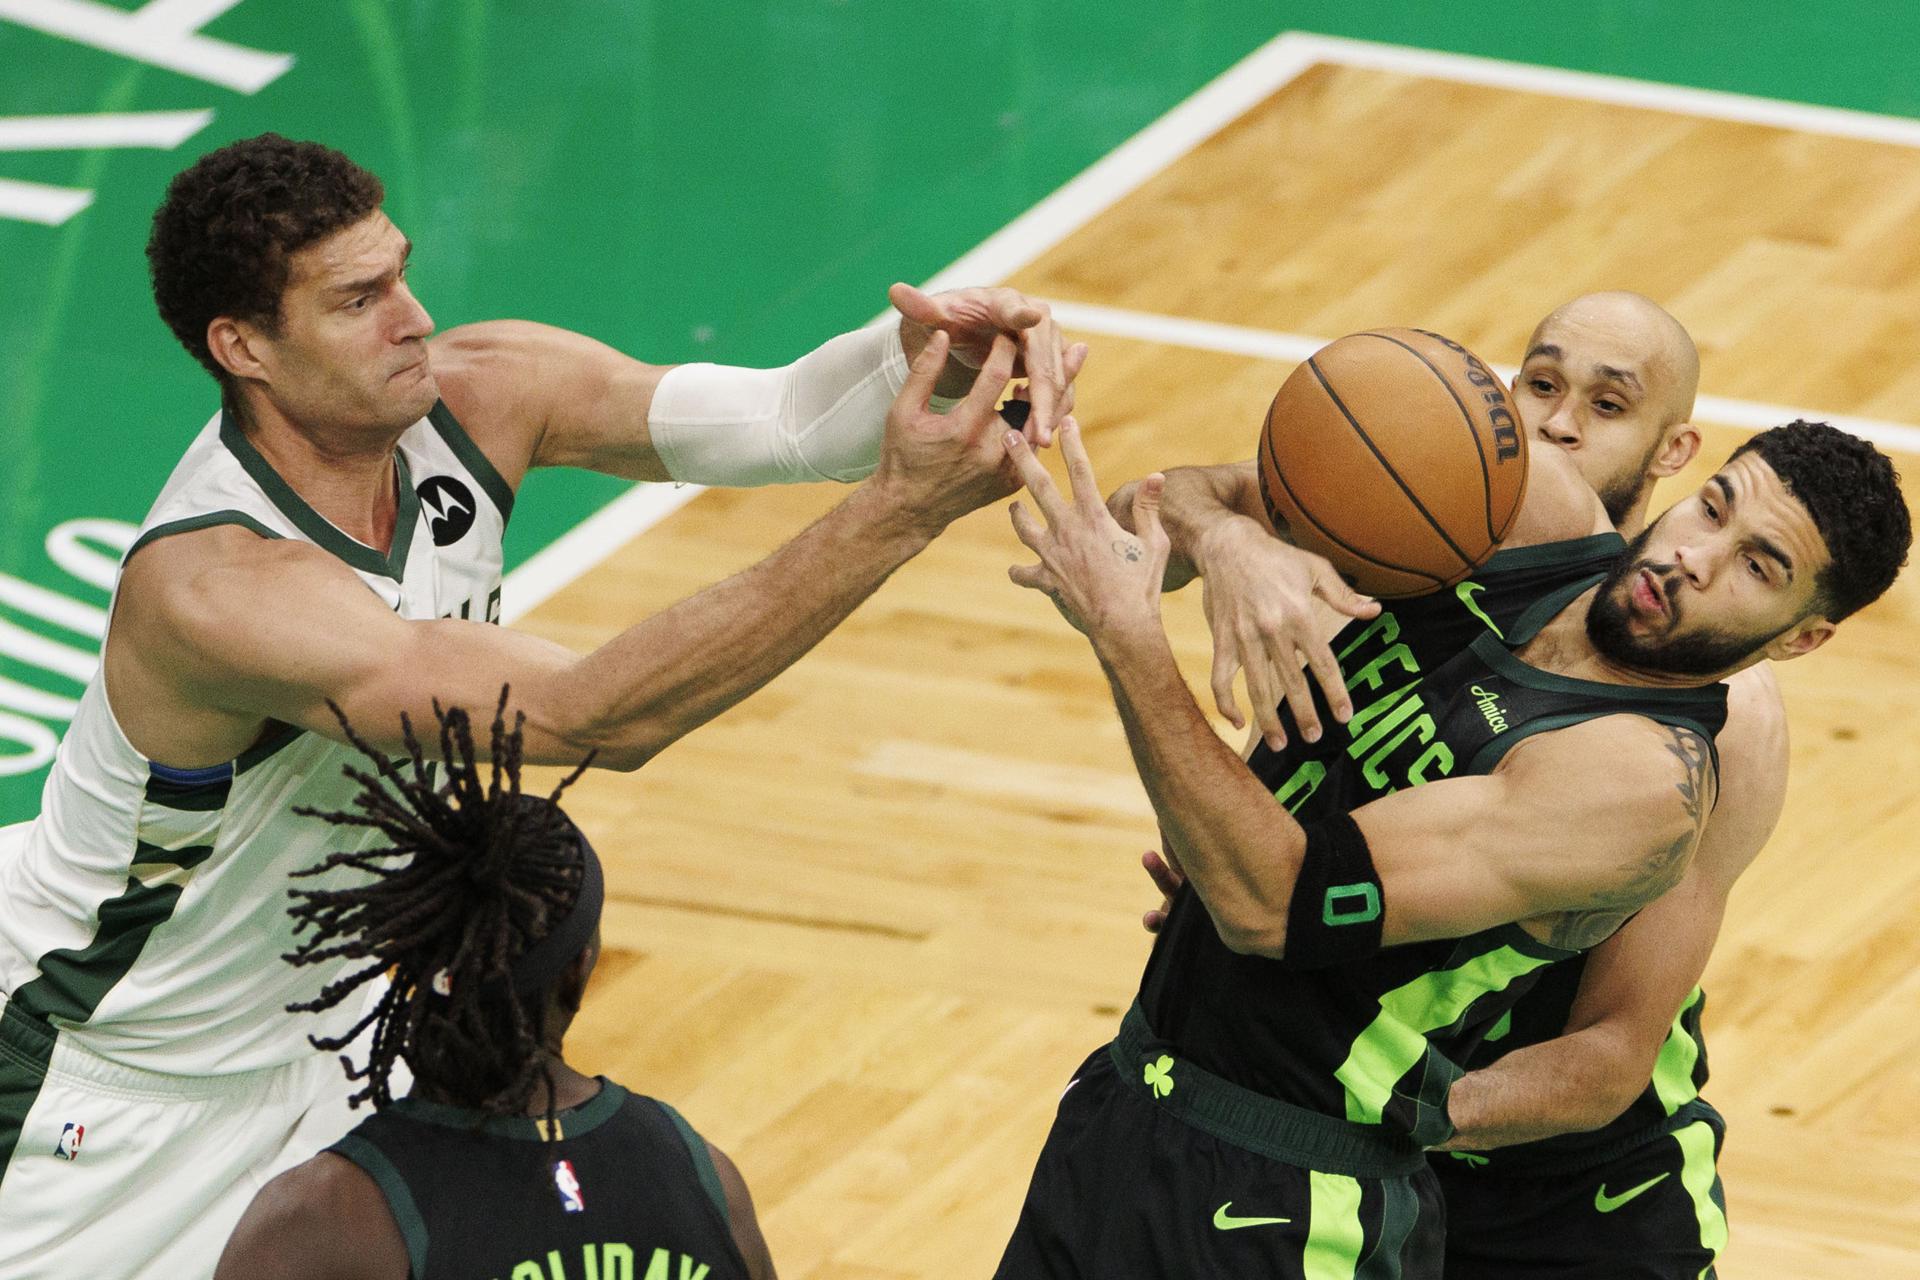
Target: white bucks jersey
144,912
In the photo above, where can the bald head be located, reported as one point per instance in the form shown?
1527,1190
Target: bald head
1634,337
1610,378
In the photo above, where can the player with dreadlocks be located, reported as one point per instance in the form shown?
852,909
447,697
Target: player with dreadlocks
482,908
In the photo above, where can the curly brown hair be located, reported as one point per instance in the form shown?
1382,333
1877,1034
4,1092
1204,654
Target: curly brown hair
224,235
1853,494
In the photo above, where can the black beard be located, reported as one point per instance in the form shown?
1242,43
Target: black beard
1618,498
1618,495
1706,654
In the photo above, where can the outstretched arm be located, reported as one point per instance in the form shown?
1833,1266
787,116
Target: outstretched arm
1453,856
277,630
532,395
1636,981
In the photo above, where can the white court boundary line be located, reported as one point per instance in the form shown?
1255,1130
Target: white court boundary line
1268,344
1155,148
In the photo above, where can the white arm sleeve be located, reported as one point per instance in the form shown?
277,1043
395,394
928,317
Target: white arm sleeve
819,418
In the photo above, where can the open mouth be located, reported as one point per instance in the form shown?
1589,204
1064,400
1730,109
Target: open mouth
1648,598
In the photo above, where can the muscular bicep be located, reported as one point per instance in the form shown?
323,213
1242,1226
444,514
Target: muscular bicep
533,395
1544,838
282,631
1636,981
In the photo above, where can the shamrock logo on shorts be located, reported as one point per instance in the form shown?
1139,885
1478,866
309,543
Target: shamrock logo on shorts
1160,1076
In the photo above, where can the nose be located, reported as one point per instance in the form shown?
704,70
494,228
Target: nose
1695,563
1562,426
413,321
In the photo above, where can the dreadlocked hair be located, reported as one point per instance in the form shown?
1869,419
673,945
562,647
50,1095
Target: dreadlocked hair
471,875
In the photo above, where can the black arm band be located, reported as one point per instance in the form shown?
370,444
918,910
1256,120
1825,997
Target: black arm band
1338,906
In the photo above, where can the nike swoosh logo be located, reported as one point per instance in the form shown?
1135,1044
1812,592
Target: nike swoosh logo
1466,591
1607,1204
1227,1223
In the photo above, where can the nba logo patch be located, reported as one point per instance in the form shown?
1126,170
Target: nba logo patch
68,1148
567,1183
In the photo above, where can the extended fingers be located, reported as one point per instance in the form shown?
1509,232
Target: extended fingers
1034,577
1164,877
1034,537
1331,587
1035,478
1046,373
1299,696
1326,673
1226,662
1076,360
991,382
1264,692
1086,489
925,370
916,305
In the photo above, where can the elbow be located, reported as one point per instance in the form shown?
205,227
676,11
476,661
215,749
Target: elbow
621,749
1615,1094
620,759
622,752
1620,1073
1253,934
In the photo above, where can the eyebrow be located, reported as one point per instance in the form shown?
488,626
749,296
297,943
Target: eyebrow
363,285
1544,349
1627,376
1764,545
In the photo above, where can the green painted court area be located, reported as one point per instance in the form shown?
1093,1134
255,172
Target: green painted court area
717,181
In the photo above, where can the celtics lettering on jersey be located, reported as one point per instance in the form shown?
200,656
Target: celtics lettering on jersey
1392,731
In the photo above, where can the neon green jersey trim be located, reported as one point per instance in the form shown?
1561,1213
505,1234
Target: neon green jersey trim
1697,1175
1673,1069
1335,1235
1396,1040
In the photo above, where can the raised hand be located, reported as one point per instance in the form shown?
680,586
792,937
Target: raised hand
972,319
1259,596
1098,574
937,467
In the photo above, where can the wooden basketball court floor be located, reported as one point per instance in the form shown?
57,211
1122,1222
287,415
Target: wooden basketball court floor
863,928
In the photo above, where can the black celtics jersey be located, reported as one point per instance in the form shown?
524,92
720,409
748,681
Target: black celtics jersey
626,1192
1437,692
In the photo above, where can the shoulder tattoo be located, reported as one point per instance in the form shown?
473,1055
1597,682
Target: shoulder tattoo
1660,867
1690,748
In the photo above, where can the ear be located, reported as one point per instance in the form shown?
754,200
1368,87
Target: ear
1801,638
572,988
1679,444
237,347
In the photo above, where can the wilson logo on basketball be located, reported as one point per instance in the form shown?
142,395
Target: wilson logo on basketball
1395,454
1506,432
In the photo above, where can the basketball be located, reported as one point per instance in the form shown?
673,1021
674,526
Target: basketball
1395,454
